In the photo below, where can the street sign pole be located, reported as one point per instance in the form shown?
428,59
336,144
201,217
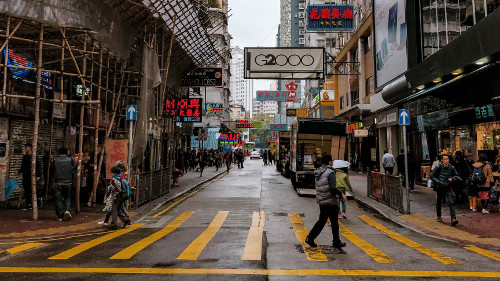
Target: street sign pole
201,159
406,173
129,160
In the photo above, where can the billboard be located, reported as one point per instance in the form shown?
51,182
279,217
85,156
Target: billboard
203,77
330,17
278,127
284,63
184,110
391,58
214,109
327,97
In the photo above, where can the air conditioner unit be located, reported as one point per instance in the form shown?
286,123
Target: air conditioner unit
302,41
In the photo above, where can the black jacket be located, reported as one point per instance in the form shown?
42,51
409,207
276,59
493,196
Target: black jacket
440,176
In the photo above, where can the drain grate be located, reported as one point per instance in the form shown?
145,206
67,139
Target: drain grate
286,214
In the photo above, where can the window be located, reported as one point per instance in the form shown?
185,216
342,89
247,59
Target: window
301,23
369,86
342,102
355,97
368,43
354,55
346,99
302,32
320,43
301,15
302,6
302,41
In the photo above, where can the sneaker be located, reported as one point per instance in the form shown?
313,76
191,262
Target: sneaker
439,219
58,219
344,216
470,208
102,223
485,211
311,242
67,216
339,244
127,224
340,217
453,223
474,210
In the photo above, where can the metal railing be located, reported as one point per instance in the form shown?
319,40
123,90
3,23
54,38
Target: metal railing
152,185
386,189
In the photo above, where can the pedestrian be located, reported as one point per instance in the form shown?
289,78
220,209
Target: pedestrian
436,162
270,157
120,193
241,158
25,170
186,161
229,158
217,158
64,167
442,176
343,184
388,162
264,157
464,173
327,196
482,176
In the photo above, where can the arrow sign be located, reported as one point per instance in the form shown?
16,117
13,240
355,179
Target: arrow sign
404,117
131,112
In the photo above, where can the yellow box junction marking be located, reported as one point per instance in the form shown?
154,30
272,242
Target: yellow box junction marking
410,243
23,247
249,272
313,254
253,246
196,247
368,248
135,248
483,252
445,230
88,245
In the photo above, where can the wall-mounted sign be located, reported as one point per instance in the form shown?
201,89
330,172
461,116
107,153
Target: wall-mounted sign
330,17
27,75
284,63
327,98
485,111
203,77
213,109
244,124
278,127
316,99
291,112
184,110
360,133
274,96
354,126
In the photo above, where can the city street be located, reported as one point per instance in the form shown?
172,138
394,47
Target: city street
247,225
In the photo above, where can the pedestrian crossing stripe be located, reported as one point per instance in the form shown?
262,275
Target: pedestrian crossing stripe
313,254
410,243
139,246
253,246
88,245
483,252
368,248
22,248
196,247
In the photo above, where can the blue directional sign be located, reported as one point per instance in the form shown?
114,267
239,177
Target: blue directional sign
131,112
404,117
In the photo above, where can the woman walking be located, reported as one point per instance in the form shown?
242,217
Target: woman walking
482,176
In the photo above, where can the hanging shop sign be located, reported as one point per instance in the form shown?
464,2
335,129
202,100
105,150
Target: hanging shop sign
278,127
214,109
229,138
485,111
354,126
26,75
184,110
330,17
327,98
274,96
203,77
360,133
284,63
243,124
387,118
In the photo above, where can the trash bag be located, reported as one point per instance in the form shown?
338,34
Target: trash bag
10,186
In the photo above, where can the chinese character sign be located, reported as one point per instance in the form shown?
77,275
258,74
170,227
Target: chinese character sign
214,109
485,111
278,127
244,124
184,110
116,150
274,95
330,17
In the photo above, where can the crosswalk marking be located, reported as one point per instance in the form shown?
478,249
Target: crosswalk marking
313,254
88,245
483,252
135,248
368,248
21,248
196,247
253,246
419,247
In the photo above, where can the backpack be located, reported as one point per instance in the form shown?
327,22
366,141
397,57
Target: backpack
124,188
478,176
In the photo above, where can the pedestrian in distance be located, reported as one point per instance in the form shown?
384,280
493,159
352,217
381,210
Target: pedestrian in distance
327,197
120,193
64,167
388,162
25,170
442,177
241,158
264,157
229,158
343,184
482,177
217,156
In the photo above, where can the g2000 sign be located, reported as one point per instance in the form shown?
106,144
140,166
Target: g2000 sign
283,60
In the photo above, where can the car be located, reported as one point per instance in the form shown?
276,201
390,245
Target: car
254,154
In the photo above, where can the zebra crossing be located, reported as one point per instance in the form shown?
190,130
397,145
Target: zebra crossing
253,246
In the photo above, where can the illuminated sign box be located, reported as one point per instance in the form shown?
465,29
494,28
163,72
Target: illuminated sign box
330,17
278,127
214,109
27,75
203,77
184,110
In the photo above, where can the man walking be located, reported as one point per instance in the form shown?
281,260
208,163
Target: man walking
442,176
64,166
388,162
26,172
120,194
241,158
327,196
229,159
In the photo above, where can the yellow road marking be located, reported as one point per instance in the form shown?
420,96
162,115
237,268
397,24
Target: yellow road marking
54,239
253,246
24,247
87,245
135,248
368,248
259,272
410,243
445,230
313,254
196,247
483,252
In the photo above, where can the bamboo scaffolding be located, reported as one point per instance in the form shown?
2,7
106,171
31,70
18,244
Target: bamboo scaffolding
96,144
4,88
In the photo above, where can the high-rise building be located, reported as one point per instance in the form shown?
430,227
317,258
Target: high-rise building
241,89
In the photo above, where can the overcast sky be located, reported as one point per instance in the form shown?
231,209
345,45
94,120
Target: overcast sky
254,23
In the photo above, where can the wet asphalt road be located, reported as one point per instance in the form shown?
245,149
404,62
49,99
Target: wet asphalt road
248,225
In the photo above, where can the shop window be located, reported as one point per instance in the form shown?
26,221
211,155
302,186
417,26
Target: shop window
346,99
320,43
342,102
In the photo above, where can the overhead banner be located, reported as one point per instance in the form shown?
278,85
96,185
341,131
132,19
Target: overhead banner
184,110
330,17
278,127
203,77
214,109
390,40
284,63
275,96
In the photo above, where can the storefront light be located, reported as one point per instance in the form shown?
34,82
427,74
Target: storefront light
457,72
483,61
437,80
421,87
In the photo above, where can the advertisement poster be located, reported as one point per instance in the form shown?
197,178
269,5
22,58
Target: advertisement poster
390,40
115,150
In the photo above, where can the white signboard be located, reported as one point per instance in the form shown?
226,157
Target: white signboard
59,110
391,58
361,133
284,63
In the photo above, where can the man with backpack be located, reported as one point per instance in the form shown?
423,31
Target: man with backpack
442,176
482,177
120,192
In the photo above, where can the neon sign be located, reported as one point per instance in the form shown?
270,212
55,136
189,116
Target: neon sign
27,75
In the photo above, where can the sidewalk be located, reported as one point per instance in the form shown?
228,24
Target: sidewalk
16,224
473,228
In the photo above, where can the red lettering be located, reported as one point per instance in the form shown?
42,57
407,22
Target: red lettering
325,13
347,14
335,13
314,14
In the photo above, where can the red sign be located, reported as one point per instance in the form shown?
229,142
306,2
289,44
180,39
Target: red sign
230,137
184,110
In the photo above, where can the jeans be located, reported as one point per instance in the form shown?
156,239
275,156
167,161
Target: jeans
118,210
62,197
343,204
327,212
451,202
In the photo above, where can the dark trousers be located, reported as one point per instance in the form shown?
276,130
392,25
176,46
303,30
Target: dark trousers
228,164
240,164
62,198
451,202
389,170
327,212
27,190
118,210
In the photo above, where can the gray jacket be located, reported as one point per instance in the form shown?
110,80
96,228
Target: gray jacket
326,191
